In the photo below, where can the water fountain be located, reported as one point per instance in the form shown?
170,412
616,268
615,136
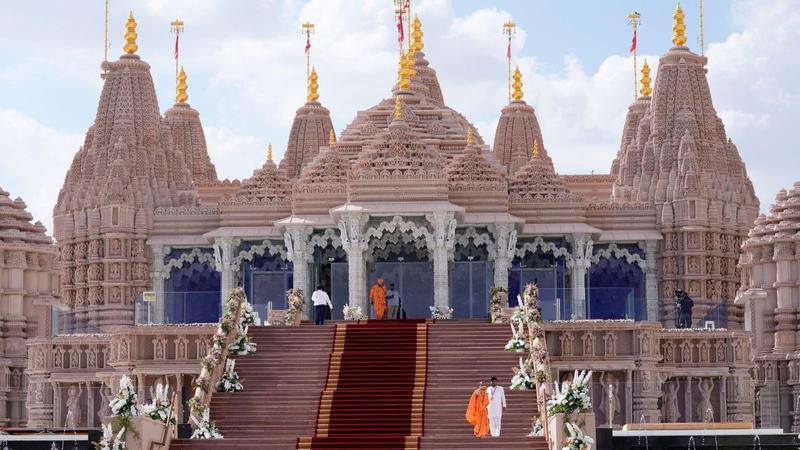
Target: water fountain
643,422
756,441
691,444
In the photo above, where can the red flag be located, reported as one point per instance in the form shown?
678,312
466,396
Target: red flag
400,34
308,43
508,51
633,42
177,35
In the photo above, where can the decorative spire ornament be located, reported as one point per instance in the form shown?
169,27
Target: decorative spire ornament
411,64
130,46
312,86
402,72
417,35
535,148
332,139
646,90
678,27
269,152
469,136
701,38
180,88
517,85
398,108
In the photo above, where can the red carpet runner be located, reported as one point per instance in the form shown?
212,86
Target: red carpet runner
374,397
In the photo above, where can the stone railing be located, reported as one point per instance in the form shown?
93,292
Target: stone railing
213,363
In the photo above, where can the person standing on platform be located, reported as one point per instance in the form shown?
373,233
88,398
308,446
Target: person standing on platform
392,303
478,411
321,304
377,296
497,403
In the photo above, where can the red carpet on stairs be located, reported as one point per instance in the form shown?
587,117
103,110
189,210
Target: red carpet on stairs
374,396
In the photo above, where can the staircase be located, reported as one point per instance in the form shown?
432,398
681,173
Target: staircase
380,386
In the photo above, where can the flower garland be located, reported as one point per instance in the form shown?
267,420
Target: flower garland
498,300
205,428
441,313
242,346
576,440
296,304
158,408
230,379
352,312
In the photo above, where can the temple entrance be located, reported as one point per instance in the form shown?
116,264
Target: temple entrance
470,282
329,270
412,279
266,275
548,272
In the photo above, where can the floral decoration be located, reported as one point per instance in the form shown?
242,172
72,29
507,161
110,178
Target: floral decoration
230,379
352,312
441,313
296,304
205,429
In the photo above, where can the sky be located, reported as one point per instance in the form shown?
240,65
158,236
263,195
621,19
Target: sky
246,74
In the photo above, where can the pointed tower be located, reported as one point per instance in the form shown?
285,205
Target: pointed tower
424,78
126,168
323,182
310,129
675,154
517,130
475,183
187,135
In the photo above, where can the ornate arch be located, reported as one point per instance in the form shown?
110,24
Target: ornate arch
328,237
398,224
620,253
265,248
196,254
546,247
478,239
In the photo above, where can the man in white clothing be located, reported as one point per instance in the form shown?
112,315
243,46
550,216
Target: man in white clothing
321,304
497,403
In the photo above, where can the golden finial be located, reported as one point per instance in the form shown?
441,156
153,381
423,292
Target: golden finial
312,86
417,35
402,72
130,46
646,90
410,64
332,138
180,89
398,108
269,151
535,148
678,28
469,136
517,85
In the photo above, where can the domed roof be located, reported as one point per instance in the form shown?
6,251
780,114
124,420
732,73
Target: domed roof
398,166
517,131
310,129
537,181
15,223
783,221
476,183
322,184
267,186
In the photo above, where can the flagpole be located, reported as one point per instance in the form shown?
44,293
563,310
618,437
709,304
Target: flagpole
634,18
308,30
509,29
702,37
105,38
408,24
176,26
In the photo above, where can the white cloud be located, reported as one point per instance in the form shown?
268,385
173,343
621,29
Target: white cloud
35,160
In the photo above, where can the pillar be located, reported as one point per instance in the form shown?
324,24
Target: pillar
158,276
351,230
296,240
505,238
582,247
223,255
90,412
440,243
57,419
723,398
651,281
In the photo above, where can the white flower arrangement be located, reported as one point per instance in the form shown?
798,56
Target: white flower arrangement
205,428
158,408
296,304
537,430
119,441
230,379
109,441
519,339
441,313
352,313
517,344
498,300
576,440
522,380
249,316
241,346
571,397
125,404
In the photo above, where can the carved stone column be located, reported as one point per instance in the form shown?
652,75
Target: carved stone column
296,240
351,229
158,276
582,247
90,412
505,238
439,245
223,256
651,281
57,418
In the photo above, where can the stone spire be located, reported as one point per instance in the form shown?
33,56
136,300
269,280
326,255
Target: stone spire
127,167
323,182
517,130
675,154
310,130
475,183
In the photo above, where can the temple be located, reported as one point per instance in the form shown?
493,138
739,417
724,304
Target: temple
149,242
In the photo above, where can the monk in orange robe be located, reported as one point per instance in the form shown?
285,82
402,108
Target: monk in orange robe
478,412
377,296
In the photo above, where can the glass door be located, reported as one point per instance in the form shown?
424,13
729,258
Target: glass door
469,289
